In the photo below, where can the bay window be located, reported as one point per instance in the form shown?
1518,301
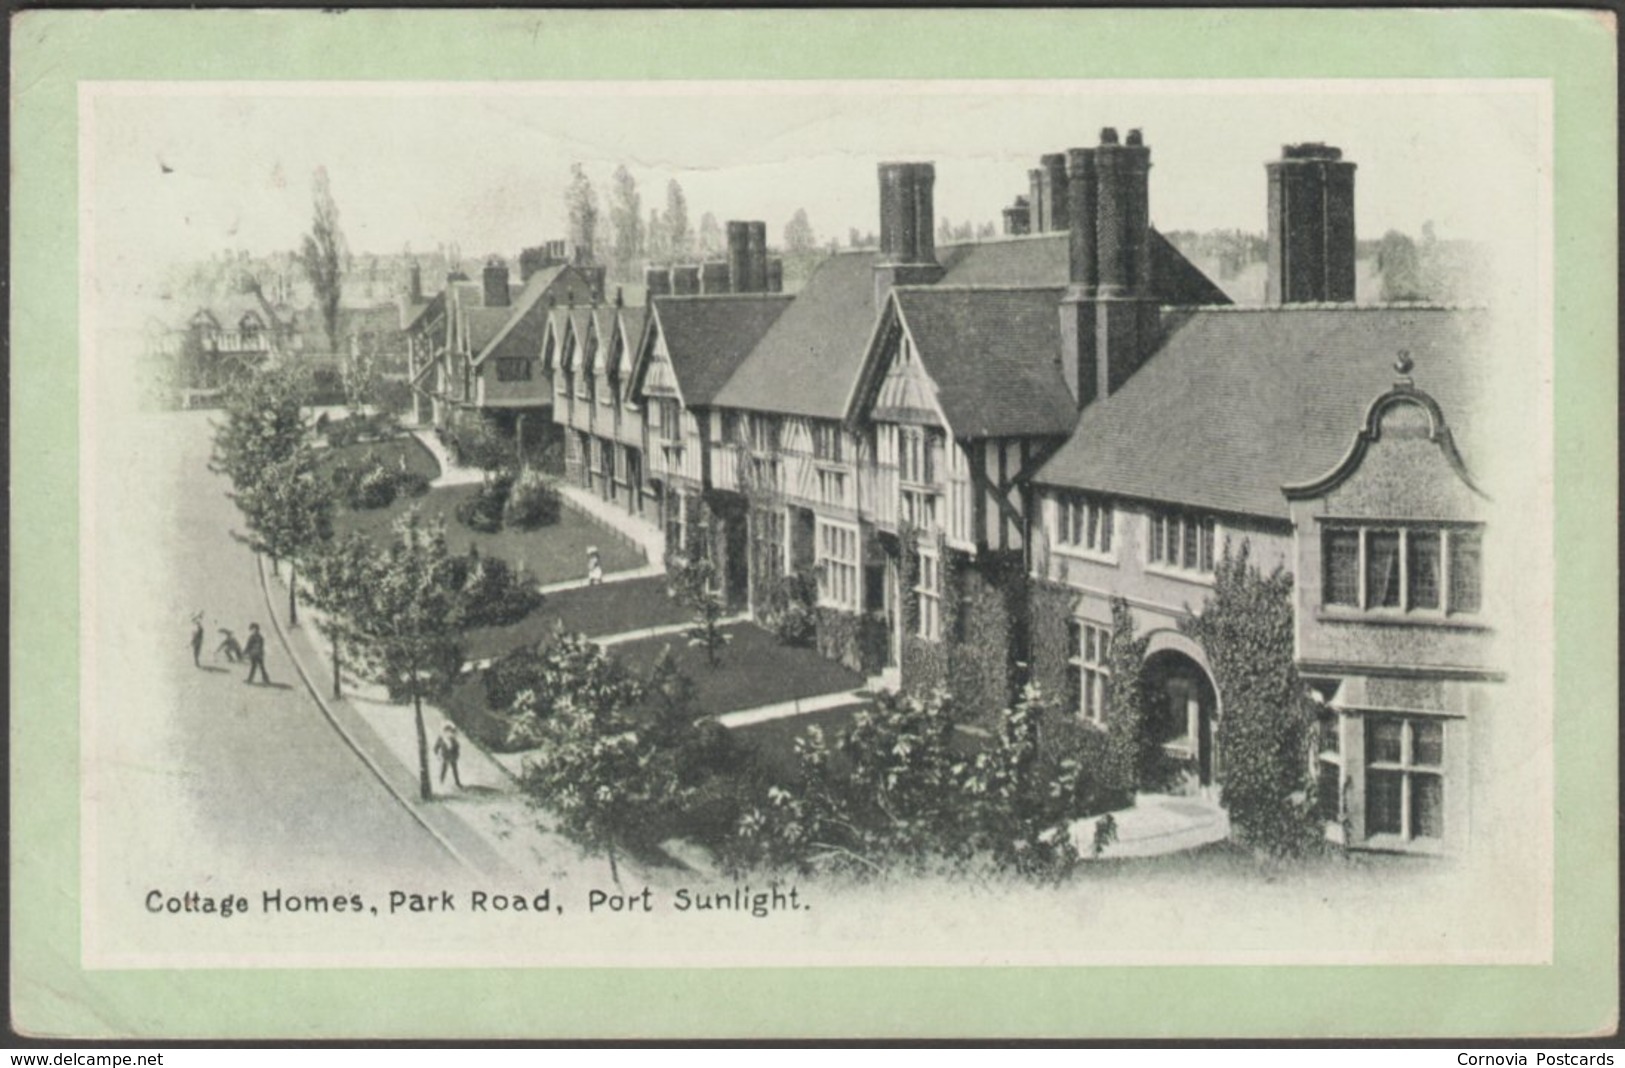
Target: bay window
1401,568
836,558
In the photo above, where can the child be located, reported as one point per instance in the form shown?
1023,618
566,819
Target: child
595,567
230,646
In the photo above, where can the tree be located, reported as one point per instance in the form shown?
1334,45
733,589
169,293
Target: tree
1400,267
707,632
799,239
597,769
679,237
710,237
1246,628
581,205
656,244
360,371
398,613
265,424
289,512
323,256
626,219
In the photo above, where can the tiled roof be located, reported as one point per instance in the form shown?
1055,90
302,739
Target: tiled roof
807,361
1045,260
521,335
483,325
422,312
708,337
993,355
1238,402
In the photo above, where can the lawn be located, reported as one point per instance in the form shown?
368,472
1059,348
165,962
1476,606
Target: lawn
550,554
775,740
418,458
596,611
754,670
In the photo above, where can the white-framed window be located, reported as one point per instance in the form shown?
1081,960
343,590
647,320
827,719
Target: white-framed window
1182,540
832,487
1404,777
1090,669
919,454
763,431
671,419
1085,522
928,591
919,508
1415,568
827,443
837,562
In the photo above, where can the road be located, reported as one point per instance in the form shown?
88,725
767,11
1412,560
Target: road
267,784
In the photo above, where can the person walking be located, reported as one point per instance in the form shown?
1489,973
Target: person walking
197,639
595,567
255,651
447,749
230,647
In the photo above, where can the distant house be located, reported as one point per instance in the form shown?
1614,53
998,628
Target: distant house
223,340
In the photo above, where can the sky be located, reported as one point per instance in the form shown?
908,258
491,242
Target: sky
181,171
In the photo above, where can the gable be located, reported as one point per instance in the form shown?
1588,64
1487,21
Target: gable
906,393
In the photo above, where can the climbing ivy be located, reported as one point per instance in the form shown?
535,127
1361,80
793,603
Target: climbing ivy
1246,628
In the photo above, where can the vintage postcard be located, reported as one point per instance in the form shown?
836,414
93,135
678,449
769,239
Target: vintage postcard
1076,529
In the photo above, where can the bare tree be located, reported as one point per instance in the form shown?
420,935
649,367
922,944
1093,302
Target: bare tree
678,235
626,218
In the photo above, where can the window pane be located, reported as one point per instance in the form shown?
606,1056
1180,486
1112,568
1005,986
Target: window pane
1106,528
1424,568
1427,806
1330,738
1155,547
1207,546
1191,557
1382,569
1464,576
1427,742
1382,802
1383,740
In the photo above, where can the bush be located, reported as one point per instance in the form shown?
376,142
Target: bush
532,502
411,483
372,487
689,581
483,511
859,643
791,615
496,594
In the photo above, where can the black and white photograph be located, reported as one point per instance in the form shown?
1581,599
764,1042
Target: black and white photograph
816,523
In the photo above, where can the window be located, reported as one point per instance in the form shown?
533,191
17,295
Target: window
767,536
764,433
671,419
585,385
919,454
929,594
1406,569
1181,540
512,369
919,508
764,473
1404,788
832,487
1088,669
827,442
837,562
1084,523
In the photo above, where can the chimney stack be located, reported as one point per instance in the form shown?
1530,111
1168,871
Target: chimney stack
496,284
1109,317
1052,186
414,284
775,276
1035,200
685,281
715,278
657,282
1311,225
908,252
1017,218
747,257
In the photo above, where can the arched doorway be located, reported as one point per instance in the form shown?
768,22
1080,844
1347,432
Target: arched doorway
1183,711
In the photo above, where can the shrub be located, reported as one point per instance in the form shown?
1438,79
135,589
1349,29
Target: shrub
689,581
859,643
373,487
791,615
411,483
530,683
532,502
483,511
496,594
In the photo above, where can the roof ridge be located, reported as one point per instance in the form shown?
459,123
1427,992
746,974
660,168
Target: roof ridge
1350,306
979,287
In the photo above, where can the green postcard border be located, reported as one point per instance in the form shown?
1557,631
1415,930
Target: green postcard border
53,51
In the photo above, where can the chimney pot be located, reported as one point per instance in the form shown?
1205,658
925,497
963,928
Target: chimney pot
1108,135
1134,137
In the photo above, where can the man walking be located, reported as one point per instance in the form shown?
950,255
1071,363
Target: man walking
446,748
255,651
197,639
